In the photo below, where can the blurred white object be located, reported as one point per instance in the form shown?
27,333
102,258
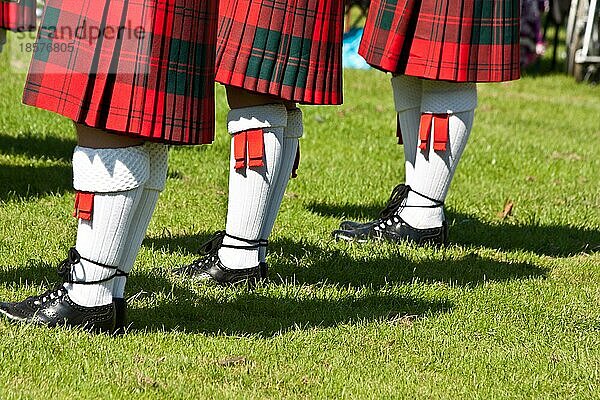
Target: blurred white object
583,40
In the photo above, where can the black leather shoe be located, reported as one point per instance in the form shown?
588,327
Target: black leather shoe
399,194
120,316
210,269
396,230
25,310
391,227
55,308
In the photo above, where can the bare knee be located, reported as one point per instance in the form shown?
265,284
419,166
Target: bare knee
99,139
241,98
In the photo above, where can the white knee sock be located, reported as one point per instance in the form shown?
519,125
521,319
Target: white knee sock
255,162
449,107
159,159
109,184
408,91
292,135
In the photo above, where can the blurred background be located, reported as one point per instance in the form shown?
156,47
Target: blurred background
569,30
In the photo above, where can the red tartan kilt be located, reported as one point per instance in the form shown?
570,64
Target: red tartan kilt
460,41
288,49
19,17
138,68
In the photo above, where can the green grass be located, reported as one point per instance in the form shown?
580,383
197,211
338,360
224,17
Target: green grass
509,310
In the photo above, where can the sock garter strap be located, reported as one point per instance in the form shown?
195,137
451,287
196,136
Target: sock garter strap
65,269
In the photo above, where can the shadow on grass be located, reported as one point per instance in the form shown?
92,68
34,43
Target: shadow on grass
335,266
270,310
31,145
28,182
331,288
467,230
265,312
296,298
25,181
188,244
34,272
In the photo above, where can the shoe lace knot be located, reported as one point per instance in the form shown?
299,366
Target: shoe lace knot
209,252
212,245
397,198
390,214
65,268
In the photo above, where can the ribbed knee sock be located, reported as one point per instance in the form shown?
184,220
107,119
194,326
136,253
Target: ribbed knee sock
158,156
109,182
255,162
454,103
408,92
292,134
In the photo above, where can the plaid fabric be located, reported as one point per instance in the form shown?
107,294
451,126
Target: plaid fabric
461,41
288,49
19,16
142,68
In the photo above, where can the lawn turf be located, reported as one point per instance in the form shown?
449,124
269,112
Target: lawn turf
509,310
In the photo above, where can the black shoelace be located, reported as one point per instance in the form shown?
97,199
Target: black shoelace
210,250
66,267
55,293
65,271
395,201
389,215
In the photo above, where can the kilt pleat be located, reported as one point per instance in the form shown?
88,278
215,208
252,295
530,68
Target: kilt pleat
461,41
153,79
18,17
290,49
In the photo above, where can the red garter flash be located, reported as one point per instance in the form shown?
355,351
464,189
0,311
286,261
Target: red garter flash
256,148
84,205
440,131
249,143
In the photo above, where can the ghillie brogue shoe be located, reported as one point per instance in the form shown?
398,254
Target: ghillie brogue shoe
390,226
398,196
210,269
55,308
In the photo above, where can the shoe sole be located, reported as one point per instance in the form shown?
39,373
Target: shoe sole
353,239
210,281
86,327
12,318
